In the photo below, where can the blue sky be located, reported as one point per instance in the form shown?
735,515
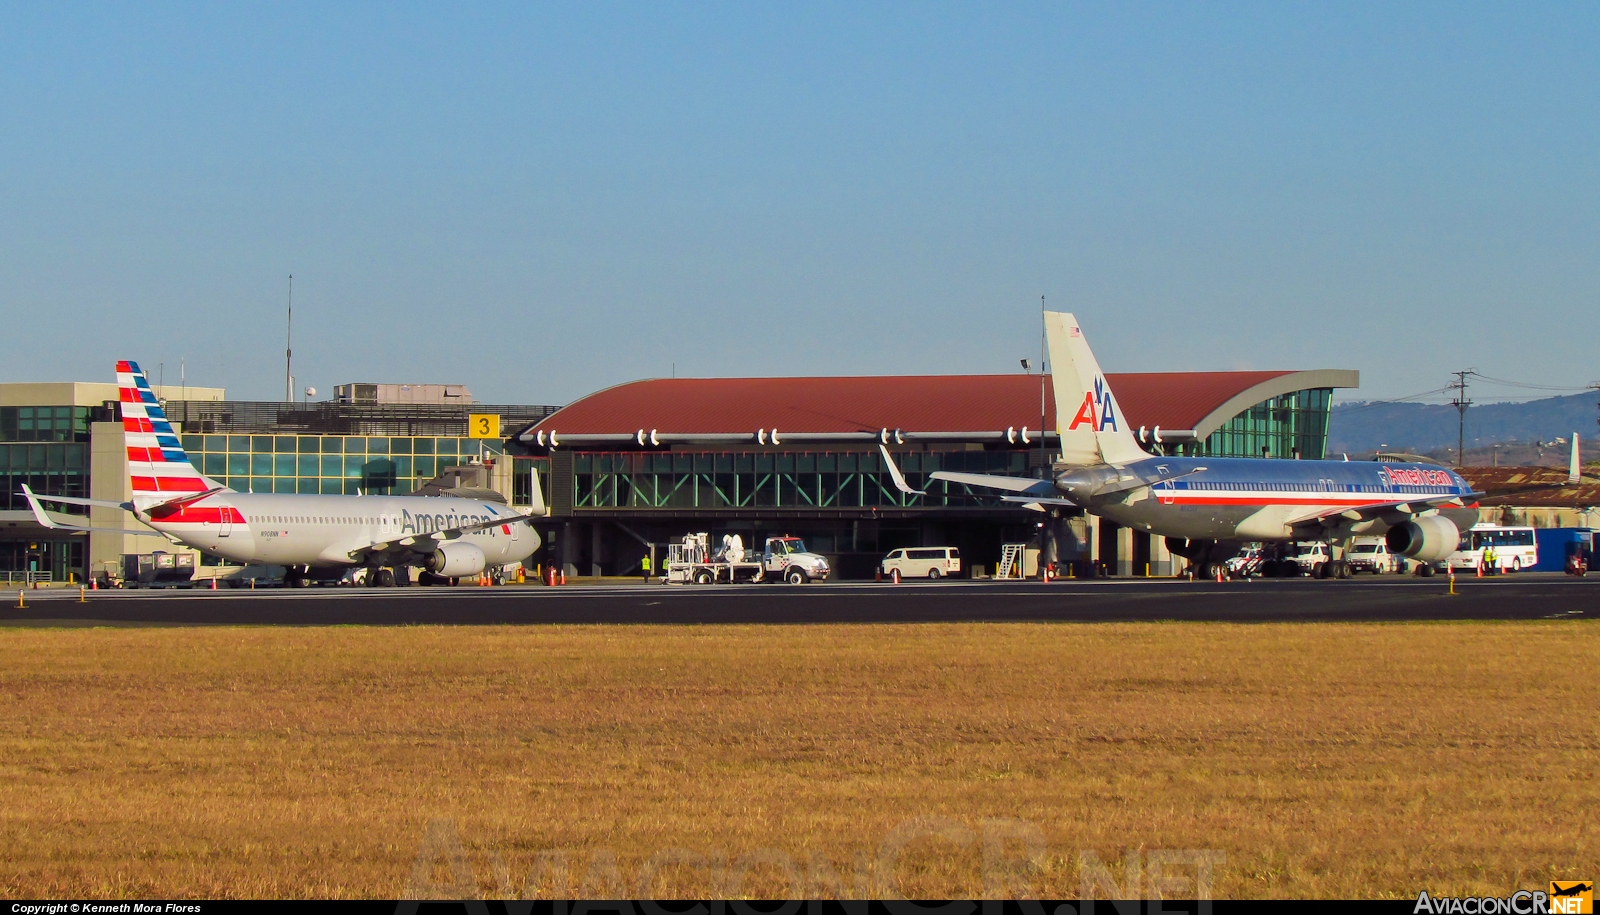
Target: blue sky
539,201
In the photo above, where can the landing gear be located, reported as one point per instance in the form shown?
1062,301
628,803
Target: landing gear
294,578
385,578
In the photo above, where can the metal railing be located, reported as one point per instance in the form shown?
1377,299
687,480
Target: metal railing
26,578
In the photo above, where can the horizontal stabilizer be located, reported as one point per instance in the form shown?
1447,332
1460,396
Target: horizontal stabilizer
44,519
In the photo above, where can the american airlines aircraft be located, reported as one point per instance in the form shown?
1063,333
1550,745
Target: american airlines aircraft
1207,507
310,535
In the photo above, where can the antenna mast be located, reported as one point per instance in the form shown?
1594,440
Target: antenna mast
288,350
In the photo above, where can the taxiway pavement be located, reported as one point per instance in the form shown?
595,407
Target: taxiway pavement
1523,597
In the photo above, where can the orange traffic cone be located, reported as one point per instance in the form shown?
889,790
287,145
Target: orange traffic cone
1220,573
895,574
563,576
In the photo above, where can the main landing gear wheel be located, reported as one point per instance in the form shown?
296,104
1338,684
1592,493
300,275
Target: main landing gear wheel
795,577
385,578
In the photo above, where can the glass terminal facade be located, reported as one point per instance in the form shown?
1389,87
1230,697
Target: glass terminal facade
1293,425
330,464
47,448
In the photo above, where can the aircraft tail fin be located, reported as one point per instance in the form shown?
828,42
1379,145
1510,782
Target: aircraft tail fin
1088,417
158,468
1574,469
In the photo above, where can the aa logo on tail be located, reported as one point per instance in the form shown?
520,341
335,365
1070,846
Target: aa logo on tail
1097,410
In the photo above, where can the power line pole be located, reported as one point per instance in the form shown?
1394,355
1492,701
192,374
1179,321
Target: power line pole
1461,403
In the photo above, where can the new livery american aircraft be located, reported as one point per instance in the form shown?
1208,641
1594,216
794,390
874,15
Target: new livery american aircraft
1207,507
310,535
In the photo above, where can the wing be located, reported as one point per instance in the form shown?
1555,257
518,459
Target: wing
1041,490
1391,512
1038,487
427,543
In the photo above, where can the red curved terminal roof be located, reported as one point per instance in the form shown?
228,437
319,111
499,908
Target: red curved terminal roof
1171,400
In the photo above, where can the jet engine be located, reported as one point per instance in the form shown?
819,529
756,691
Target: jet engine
1189,549
456,560
1428,539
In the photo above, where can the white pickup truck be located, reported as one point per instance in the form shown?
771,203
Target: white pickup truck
785,559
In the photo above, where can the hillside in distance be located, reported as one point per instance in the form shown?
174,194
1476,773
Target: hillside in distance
1431,428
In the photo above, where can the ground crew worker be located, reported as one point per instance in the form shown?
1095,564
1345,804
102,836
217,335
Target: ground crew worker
1490,561
644,567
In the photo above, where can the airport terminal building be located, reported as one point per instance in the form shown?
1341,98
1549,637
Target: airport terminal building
647,462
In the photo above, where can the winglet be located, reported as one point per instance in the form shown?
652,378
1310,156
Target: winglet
1574,468
899,479
538,507
37,509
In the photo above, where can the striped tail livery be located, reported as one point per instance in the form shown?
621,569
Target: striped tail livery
157,464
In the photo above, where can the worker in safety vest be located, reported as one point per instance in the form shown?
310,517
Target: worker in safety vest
1490,561
644,567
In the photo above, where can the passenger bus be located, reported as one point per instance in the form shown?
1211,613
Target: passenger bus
1514,548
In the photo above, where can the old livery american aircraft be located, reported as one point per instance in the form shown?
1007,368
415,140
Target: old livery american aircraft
308,534
1207,507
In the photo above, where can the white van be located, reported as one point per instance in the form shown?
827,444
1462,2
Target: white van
923,562
1371,554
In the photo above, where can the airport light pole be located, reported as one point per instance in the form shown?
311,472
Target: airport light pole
288,348
1044,458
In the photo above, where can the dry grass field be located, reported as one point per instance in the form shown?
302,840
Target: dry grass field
1312,760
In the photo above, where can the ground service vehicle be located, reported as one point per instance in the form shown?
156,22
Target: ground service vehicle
1246,564
923,562
1514,547
1306,559
1371,554
784,559
158,570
